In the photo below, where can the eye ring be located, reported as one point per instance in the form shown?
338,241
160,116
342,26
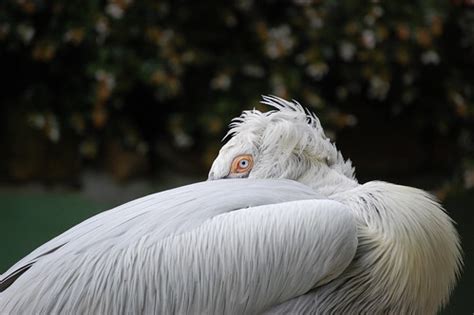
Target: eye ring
241,164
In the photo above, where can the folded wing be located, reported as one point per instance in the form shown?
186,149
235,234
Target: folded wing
215,247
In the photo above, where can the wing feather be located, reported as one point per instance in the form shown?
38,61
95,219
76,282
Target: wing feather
240,262
170,212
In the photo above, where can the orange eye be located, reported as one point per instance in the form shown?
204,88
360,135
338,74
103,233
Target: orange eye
242,164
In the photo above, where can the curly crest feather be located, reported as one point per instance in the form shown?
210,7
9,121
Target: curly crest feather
289,128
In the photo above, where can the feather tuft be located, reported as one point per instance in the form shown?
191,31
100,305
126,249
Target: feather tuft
294,123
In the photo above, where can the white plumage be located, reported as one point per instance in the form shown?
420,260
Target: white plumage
264,244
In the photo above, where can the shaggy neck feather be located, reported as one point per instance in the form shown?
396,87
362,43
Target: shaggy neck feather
424,272
329,181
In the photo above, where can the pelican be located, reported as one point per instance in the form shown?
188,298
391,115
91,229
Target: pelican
281,226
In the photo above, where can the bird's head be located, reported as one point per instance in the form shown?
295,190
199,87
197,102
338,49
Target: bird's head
287,142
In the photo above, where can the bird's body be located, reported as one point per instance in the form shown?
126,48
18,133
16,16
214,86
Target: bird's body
300,235
183,252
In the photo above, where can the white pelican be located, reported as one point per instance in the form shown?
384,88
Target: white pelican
298,235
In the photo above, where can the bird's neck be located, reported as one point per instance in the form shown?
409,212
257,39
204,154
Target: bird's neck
408,255
329,181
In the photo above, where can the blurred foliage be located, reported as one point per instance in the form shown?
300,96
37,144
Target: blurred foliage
134,73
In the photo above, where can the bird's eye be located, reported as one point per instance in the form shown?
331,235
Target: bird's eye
242,164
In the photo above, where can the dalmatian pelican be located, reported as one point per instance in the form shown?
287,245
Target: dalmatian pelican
281,226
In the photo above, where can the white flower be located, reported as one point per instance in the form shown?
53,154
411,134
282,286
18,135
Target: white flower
114,10
104,76
102,27
347,50
318,70
53,130
317,22
368,39
378,11
182,140
314,17
378,88
468,178
430,57
221,82
166,37
26,32
279,42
